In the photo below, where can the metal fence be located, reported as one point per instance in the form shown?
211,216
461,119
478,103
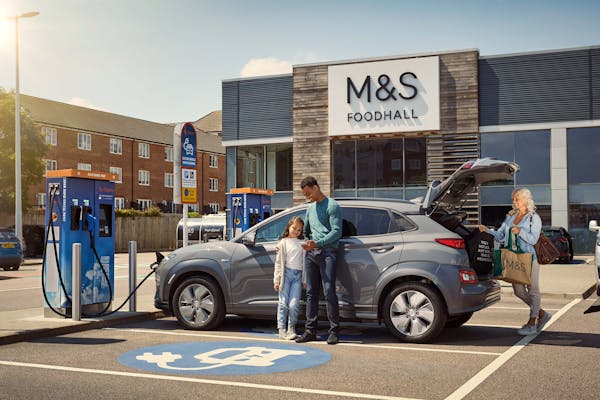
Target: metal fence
150,233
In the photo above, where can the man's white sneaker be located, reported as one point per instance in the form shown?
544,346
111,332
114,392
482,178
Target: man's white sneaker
543,321
527,330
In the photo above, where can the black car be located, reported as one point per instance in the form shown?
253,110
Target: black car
562,240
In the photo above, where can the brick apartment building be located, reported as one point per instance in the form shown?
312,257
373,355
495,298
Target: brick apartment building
140,152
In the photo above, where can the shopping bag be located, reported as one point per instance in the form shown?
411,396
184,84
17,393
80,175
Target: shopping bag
516,264
497,262
545,250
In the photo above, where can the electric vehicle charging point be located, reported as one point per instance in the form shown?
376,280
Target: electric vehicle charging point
248,207
80,210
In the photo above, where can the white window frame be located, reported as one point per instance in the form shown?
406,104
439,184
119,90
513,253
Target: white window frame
214,207
144,204
50,135
84,166
119,203
117,171
143,177
213,161
53,164
115,146
213,184
169,154
144,150
84,141
41,200
169,180
396,164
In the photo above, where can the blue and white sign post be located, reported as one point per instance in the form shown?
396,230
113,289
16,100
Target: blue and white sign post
184,170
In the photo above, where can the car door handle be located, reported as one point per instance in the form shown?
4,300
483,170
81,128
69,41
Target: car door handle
381,249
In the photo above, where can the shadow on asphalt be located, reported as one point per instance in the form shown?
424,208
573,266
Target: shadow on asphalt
76,340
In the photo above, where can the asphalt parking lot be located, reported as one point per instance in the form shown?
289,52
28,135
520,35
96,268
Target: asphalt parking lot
245,359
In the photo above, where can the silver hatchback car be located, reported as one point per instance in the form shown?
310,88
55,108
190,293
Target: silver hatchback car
401,262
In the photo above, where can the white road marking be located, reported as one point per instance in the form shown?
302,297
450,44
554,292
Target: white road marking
319,342
25,288
520,308
482,375
203,381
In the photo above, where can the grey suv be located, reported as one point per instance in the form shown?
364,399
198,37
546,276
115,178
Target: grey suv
401,262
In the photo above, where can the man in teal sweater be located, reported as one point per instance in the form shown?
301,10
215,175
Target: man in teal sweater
323,228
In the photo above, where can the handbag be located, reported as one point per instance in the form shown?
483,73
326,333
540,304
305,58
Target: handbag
516,264
545,250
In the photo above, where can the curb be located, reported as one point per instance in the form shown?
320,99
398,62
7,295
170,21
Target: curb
92,324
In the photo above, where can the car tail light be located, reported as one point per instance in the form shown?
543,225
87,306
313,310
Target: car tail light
467,165
467,276
562,239
454,243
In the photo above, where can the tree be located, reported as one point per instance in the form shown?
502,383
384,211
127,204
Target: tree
33,148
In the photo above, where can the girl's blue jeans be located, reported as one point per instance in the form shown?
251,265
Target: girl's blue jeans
289,299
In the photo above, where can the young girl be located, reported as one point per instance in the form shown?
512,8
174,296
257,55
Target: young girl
289,277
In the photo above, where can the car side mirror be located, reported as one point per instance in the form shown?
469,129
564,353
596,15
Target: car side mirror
249,239
593,226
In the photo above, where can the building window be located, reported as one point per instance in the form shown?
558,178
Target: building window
214,207
51,165
169,180
84,141
144,150
41,200
116,146
213,161
213,184
250,167
143,178
119,203
119,172
84,167
50,135
279,167
375,167
169,154
144,204
583,153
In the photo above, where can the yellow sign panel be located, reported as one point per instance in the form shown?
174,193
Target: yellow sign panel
188,196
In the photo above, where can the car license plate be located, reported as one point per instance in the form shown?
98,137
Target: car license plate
8,245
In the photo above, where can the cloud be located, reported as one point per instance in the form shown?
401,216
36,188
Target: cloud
78,101
265,66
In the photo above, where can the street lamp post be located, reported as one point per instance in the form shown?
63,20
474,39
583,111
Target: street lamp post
18,201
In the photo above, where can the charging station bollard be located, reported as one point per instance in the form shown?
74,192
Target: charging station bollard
76,283
132,274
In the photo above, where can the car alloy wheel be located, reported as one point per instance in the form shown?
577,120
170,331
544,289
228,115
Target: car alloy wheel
198,304
414,312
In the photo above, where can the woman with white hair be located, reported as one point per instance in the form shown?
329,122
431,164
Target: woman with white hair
526,224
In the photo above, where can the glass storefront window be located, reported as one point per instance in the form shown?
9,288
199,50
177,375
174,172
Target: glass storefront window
250,167
583,153
380,167
279,167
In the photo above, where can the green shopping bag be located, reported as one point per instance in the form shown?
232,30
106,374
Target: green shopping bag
514,262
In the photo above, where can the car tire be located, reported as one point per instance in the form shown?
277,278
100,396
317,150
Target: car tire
6,268
457,321
198,304
414,312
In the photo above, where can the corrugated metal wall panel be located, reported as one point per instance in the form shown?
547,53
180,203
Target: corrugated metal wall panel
534,88
595,71
261,108
229,111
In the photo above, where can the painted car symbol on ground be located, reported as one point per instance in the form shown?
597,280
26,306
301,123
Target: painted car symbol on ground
224,358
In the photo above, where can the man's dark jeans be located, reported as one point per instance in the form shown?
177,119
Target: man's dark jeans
321,267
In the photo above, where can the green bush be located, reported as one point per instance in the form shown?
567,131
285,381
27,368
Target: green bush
131,213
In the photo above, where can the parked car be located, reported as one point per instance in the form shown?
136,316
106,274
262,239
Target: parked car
11,253
401,262
593,226
203,229
562,241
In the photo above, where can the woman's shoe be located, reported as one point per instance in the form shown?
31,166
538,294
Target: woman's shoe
527,330
543,321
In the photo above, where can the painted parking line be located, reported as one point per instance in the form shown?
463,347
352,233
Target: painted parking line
321,342
203,381
483,374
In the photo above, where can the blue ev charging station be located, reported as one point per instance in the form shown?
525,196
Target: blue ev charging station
80,209
248,207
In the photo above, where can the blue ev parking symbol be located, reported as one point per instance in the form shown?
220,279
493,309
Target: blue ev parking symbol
224,358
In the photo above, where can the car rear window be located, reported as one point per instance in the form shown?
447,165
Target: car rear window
362,221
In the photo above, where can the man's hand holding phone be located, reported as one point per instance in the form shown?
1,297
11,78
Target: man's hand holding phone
309,245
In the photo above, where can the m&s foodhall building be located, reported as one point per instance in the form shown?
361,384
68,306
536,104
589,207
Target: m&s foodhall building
387,126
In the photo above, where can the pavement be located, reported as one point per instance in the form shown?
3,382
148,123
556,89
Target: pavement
570,281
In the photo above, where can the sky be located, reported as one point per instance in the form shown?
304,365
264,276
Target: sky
165,60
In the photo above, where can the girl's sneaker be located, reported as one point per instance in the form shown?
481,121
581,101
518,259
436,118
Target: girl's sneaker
282,333
291,334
